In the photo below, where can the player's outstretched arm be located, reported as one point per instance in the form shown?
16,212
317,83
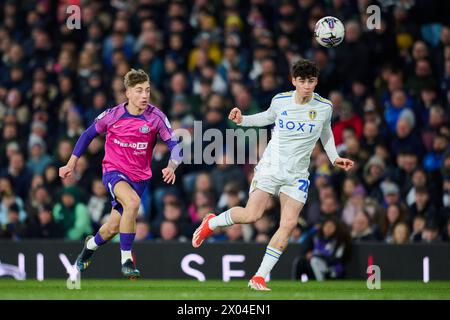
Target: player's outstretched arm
329,145
83,142
255,120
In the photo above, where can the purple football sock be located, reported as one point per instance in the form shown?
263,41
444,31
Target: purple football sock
126,241
99,240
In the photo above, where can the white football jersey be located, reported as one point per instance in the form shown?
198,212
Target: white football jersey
297,127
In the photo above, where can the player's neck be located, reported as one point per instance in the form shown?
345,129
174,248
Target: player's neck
302,99
133,110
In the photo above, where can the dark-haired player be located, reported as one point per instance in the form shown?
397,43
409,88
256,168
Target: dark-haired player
300,118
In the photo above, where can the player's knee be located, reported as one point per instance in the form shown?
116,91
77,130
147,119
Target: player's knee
253,214
288,224
132,204
113,229
253,217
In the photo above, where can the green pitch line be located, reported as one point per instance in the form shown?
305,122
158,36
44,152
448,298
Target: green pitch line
214,290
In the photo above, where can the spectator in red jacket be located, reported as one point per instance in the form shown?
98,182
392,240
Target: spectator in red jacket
347,118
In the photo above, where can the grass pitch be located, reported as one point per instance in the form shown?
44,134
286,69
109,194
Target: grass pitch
218,290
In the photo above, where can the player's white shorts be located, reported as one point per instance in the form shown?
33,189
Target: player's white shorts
294,187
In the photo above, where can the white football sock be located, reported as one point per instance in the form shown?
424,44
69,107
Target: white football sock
91,245
126,255
270,259
222,220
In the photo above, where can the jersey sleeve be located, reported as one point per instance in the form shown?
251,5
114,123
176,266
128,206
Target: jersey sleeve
100,125
327,139
165,130
260,119
84,140
102,120
167,134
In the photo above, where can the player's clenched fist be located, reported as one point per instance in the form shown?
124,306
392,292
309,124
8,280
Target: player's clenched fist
235,116
344,163
65,171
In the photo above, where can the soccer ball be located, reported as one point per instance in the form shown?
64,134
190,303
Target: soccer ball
329,31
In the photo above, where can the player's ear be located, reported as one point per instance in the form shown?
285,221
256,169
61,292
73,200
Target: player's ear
294,82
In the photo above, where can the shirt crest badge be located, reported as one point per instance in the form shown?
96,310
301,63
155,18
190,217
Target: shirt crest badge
312,114
144,129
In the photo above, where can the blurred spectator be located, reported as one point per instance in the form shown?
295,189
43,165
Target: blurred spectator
168,230
173,212
265,225
143,230
39,196
436,120
430,233
38,158
428,98
352,56
374,173
391,193
361,228
264,238
64,151
353,205
13,228
42,226
371,131
405,138
10,139
200,200
400,234
329,207
72,215
7,199
422,77
347,119
98,205
418,179
323,254
423,206
51,179
234,233
20,175
203,182
232,196
393,215
225,171
394,108
418,225
433,159
99,104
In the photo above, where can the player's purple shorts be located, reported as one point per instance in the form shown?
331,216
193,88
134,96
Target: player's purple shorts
111,178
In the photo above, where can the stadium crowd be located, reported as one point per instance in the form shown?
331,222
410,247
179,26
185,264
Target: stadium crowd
390,89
